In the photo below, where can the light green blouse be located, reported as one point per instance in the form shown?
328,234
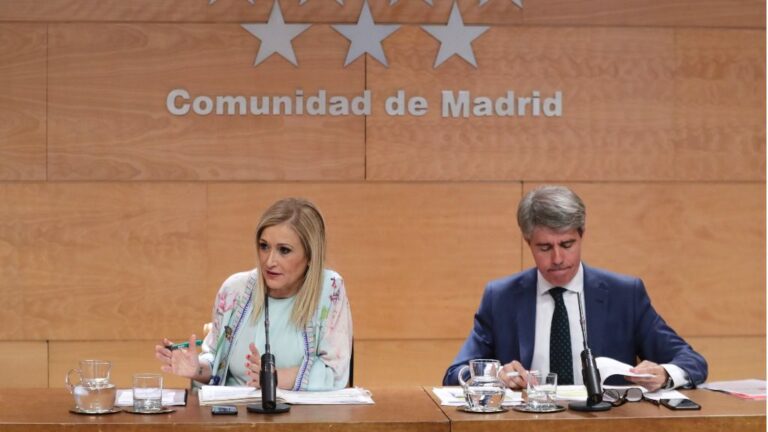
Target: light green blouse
284,338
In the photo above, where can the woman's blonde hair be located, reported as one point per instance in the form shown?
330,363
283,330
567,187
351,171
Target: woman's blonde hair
307,222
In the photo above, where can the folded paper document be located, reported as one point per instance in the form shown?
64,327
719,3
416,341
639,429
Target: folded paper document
211,395
609,367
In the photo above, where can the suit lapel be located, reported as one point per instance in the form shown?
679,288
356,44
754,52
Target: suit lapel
526,313
596,303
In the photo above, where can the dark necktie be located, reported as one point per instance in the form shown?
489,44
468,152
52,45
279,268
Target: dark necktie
560,360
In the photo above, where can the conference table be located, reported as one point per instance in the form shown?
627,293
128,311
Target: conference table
396,409
719,412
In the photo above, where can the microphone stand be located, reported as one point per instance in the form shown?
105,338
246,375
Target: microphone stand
268,374
590,374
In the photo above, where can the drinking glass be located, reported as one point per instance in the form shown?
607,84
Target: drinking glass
541,390
147,392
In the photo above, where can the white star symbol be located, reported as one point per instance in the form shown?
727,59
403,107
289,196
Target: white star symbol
341,2
275,36
518,3
365,36
429,2
455,38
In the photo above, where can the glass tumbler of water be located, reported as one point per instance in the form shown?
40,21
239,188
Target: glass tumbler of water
147,392
541,390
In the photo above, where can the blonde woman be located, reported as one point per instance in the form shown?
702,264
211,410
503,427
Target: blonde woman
309,314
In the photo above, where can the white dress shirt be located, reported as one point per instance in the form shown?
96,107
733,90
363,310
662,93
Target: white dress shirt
545,308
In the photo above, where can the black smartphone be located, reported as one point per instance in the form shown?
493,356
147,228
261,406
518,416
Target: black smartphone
223,410
680,404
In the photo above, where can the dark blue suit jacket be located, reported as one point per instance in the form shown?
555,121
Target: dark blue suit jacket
621,324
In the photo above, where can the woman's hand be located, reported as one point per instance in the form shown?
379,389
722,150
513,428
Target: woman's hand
182,362
253,365
286,377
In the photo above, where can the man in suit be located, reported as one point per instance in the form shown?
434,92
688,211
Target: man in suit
530,320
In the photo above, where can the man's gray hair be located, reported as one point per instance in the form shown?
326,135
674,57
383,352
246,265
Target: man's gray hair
554,207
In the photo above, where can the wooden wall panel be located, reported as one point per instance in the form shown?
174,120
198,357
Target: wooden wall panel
625,97
22,101
400,363
710,13
732,357
101,261
674,13
409,253
699,248
128,357
108,118
25,365
720,105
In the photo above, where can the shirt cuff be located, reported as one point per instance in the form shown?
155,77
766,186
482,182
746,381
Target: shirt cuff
678,375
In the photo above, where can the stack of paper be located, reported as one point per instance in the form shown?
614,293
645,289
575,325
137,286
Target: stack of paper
212,395
745,389
608,367
454,396
171,397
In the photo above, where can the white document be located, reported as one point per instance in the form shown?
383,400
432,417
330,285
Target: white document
664,394
454,396
211,395
745,389
572,392
609,367
346,396
171,397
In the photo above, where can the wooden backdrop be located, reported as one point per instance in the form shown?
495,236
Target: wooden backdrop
119,221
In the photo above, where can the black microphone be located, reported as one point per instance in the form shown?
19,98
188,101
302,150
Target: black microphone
268,374
590,374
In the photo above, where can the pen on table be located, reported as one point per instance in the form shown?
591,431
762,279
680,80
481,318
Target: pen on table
183,345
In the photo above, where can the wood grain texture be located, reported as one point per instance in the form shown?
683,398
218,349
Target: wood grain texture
679,13
720,412
101,261
410,254
720,105
108,117
626,94
127,356
25,364
699,248
396,410
402,363
671,13
22,101
732,357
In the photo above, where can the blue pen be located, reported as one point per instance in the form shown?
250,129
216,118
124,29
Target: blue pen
183,345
